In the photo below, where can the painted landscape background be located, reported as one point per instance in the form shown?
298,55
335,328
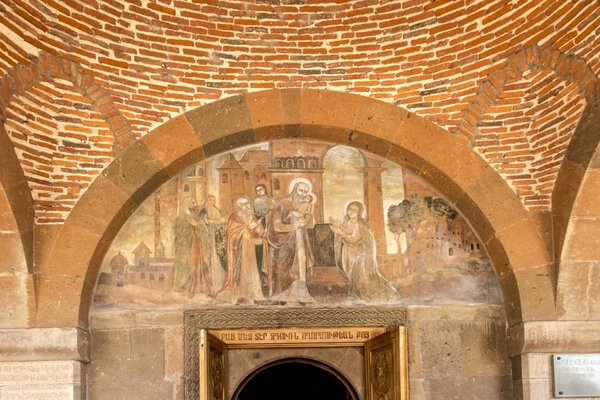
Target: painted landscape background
295,222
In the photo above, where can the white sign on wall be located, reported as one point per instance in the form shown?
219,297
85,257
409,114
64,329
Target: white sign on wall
576,375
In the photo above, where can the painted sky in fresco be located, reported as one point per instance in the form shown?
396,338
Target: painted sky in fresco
342,181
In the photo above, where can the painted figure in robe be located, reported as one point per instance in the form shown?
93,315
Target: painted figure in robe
290,247
191,273
244,231
356,254
213,237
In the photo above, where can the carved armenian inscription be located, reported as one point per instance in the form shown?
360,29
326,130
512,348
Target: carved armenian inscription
291,337
38,380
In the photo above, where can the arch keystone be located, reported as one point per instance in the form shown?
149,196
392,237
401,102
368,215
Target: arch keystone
222,125
327,108
175,144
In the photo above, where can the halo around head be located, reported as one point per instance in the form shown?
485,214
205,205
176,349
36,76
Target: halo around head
362,208
294,182
236,202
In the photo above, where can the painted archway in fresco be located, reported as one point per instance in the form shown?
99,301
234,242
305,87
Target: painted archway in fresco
274,223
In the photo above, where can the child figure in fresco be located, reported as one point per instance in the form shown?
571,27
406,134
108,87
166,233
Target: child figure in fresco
302,218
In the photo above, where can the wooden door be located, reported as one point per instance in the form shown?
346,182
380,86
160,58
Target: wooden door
386,366
213,367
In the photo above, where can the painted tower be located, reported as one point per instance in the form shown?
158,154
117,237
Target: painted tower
231,183
192,185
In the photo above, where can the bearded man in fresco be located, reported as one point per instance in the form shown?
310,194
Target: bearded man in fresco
290,247
243,232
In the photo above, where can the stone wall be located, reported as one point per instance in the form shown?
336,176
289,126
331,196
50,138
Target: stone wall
455,352
41,364
102,101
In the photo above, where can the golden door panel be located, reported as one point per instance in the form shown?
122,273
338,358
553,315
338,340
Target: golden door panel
386,366
213,367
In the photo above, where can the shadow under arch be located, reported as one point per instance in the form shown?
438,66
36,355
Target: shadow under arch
321,373
446,161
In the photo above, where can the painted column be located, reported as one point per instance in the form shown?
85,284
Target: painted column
373,195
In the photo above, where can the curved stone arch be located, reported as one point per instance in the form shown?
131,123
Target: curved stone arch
527,58
14,187
584,139
16,296
497,216
578,163
578,275
48,66
16,241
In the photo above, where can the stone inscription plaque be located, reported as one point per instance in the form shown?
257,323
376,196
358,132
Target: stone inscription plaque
39,380
576,375
290,337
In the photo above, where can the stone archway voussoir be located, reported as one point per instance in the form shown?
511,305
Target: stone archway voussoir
332,116
222,125
175,144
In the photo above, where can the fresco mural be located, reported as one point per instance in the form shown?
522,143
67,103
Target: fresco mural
295,223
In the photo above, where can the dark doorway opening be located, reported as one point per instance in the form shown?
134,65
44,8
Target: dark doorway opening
295,379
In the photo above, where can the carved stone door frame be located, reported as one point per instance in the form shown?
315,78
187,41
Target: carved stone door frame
274,317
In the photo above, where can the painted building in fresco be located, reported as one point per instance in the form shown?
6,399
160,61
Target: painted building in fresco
295,222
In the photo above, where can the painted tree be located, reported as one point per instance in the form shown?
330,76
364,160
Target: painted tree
442,212
424,222
405,217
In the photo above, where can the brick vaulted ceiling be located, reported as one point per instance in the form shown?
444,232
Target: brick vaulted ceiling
82,79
